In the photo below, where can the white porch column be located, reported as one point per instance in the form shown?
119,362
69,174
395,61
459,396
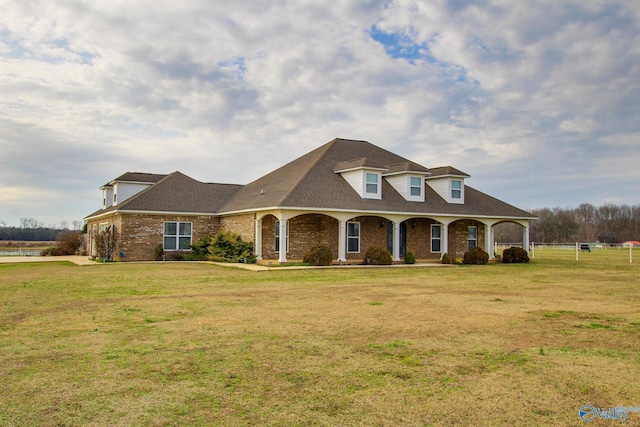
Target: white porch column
445,239
342,241
525,238
488,240
282,253
257,249
396,241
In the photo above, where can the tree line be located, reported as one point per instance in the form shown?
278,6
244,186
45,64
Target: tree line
30,229
607,223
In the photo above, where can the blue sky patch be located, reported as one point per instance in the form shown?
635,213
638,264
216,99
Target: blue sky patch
400,45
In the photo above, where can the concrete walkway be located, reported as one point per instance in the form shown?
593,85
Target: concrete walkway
76,259
261,267
84,260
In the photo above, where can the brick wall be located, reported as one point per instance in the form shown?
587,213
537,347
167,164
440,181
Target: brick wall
305,231
244,225
308,230
458,235
140,234
419,238
373,232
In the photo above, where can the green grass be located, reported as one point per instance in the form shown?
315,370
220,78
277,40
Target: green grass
194,344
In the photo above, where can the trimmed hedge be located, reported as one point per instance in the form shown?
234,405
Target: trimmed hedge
514,255
376,255
409,258
476,256
318,255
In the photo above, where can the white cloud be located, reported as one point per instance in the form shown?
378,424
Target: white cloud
514,94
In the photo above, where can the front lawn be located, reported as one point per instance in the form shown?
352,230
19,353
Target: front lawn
194,344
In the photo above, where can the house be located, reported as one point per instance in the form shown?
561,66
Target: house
347,194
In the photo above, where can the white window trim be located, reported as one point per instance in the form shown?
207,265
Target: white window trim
276,237
437,238
420,187
352,237
469,239
461,189
177,235
368,194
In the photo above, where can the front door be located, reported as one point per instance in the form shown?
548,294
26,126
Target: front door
403,238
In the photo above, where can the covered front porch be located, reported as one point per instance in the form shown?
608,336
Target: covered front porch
285,236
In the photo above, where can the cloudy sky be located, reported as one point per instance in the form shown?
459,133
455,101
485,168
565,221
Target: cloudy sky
537,101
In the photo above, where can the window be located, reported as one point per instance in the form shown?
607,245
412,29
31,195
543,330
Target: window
372,183
472,239
177,236
436,238
353,237
286,237
415,186
456,189
115,198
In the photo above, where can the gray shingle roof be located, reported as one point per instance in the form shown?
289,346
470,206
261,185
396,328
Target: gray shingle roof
310,182
358,163
177,192
407,166
446,170
136,177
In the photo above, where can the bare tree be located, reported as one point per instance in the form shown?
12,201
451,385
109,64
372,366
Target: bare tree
30,223
106,242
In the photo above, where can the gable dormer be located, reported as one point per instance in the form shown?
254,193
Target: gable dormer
408,180
126,186
364,176
448,182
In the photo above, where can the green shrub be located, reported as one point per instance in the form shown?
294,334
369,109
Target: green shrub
318,255
50,251
158,253
476,256
409,258
514,255
376,255
223,247
446,259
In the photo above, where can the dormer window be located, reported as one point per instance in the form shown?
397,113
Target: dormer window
415,186
456,189
364,176
372,183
